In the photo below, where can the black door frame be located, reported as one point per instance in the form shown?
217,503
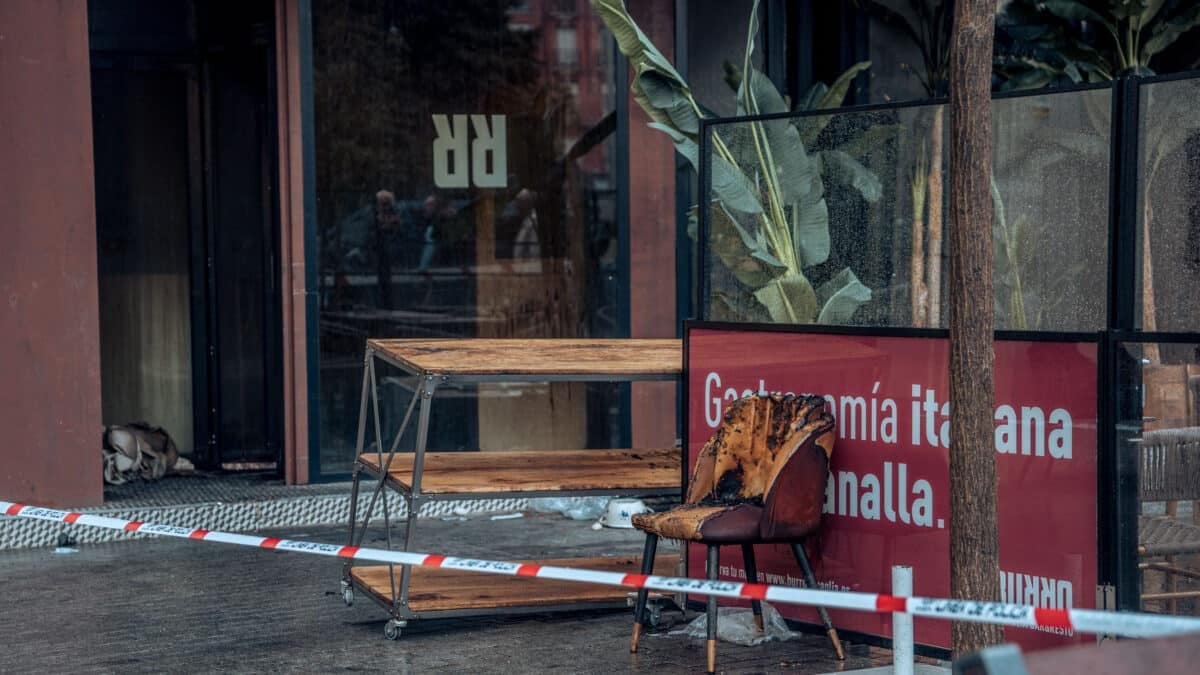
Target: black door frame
191,62
208,359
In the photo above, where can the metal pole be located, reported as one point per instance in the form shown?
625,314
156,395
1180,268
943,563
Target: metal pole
902,623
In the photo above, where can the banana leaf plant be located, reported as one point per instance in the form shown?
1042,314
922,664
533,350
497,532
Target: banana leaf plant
769,219
1093,41
1045,41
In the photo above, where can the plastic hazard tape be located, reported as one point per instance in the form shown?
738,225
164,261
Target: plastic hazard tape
1128,624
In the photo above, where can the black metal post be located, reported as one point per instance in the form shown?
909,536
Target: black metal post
1120,376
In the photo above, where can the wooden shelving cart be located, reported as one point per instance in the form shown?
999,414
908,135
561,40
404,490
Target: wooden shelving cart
419,476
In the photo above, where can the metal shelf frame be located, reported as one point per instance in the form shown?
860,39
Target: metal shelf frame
426,384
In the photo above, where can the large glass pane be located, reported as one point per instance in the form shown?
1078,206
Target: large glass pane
1158,432
852,228
1169,201
717,32
1050,155
466,188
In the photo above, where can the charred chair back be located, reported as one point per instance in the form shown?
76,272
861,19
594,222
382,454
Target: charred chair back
759,479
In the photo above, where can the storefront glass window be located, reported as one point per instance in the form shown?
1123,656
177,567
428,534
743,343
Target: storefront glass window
465,188
1168,206
853,229
1158,441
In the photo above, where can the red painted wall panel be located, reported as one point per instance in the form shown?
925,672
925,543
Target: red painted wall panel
49,335
652,239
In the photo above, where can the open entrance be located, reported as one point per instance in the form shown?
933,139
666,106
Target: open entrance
187,229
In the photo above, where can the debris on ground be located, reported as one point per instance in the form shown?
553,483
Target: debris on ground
139,450
575,508
736,625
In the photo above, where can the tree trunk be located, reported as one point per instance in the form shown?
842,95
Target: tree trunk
1150,351
933,268
919,294
974,571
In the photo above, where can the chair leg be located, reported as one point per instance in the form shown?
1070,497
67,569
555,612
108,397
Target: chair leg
714,560
640,608
811,580
752,577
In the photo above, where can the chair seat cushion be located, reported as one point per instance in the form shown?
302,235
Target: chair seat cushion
715,524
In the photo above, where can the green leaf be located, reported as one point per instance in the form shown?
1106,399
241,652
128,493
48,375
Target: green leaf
797,172
746,257
1072,71
812,97
670,97
1151,8
841,86
810,231
1030,79
812,127
632,42
789,299
1169,31
767,99
740,306
840,297
843,168
643,101
729,184
645,58
733,75
871,139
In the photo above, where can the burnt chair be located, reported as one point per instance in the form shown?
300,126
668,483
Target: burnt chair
759,479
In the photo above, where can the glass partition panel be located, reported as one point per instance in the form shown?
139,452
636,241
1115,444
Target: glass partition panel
1158,432
849,225
1168,207
1050,158
466,187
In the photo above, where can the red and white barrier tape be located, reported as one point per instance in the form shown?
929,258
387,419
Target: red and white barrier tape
1127,624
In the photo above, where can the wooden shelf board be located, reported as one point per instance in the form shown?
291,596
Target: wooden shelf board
556,358
537,470
436,590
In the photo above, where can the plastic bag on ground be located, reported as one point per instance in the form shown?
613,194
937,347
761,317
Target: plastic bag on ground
575,508
736,625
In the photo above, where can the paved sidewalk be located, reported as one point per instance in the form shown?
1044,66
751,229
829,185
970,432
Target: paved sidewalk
169,605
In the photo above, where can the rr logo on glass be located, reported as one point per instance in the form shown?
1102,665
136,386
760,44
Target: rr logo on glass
488,157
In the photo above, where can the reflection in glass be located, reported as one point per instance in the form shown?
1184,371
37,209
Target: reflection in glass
1050,193
873,211
1158,433
465,188
1169,195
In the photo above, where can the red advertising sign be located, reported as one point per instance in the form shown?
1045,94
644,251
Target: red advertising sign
887,501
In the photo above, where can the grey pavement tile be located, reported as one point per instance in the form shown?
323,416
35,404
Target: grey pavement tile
169,605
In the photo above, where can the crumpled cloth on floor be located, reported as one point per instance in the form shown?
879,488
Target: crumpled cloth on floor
736,625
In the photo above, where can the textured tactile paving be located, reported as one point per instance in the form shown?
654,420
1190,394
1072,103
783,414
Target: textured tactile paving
232,503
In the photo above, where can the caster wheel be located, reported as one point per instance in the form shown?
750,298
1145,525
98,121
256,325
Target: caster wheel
348,596
391,629
654,616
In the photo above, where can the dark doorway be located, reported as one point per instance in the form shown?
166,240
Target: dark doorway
187,229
